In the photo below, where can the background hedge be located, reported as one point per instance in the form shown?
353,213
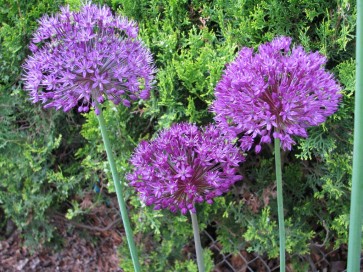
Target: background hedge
49,160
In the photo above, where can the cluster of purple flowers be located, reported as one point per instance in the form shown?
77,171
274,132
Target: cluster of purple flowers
82,58
277,92
184,165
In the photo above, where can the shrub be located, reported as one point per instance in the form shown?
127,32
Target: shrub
44,161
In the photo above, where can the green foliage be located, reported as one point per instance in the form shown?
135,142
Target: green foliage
37,170
48,159
18,20
35,175
262,235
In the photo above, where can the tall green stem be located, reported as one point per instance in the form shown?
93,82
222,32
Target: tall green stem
280,204
198,245
120,199
356,204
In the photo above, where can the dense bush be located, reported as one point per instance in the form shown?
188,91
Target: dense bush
38,171
44,161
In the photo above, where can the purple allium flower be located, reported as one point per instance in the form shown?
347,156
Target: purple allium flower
82,58
184,165
277,92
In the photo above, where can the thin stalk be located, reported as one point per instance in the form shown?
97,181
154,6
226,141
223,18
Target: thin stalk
198,245
280,204
118,187
356,204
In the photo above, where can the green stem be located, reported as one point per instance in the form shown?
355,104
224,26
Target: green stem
198,245
356,204
280,204
118,187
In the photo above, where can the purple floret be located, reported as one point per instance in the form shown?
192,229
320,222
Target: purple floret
277,92
82,58
184,165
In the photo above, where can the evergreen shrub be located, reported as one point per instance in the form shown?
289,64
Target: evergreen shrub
48,157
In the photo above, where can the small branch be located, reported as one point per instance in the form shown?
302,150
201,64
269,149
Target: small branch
326,236
83,226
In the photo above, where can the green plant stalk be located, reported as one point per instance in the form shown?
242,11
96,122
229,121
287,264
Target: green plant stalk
356,204
280,204
198,245
120,199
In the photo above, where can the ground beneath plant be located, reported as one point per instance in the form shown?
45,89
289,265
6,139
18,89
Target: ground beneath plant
86,247
77,255
92,246
80,254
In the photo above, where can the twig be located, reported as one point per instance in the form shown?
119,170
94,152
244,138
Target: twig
326,236
80,225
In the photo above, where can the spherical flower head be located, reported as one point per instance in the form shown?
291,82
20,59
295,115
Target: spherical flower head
184,165
277,92
80,59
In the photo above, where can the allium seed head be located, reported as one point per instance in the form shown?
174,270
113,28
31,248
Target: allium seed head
277,92
184,165
82,58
